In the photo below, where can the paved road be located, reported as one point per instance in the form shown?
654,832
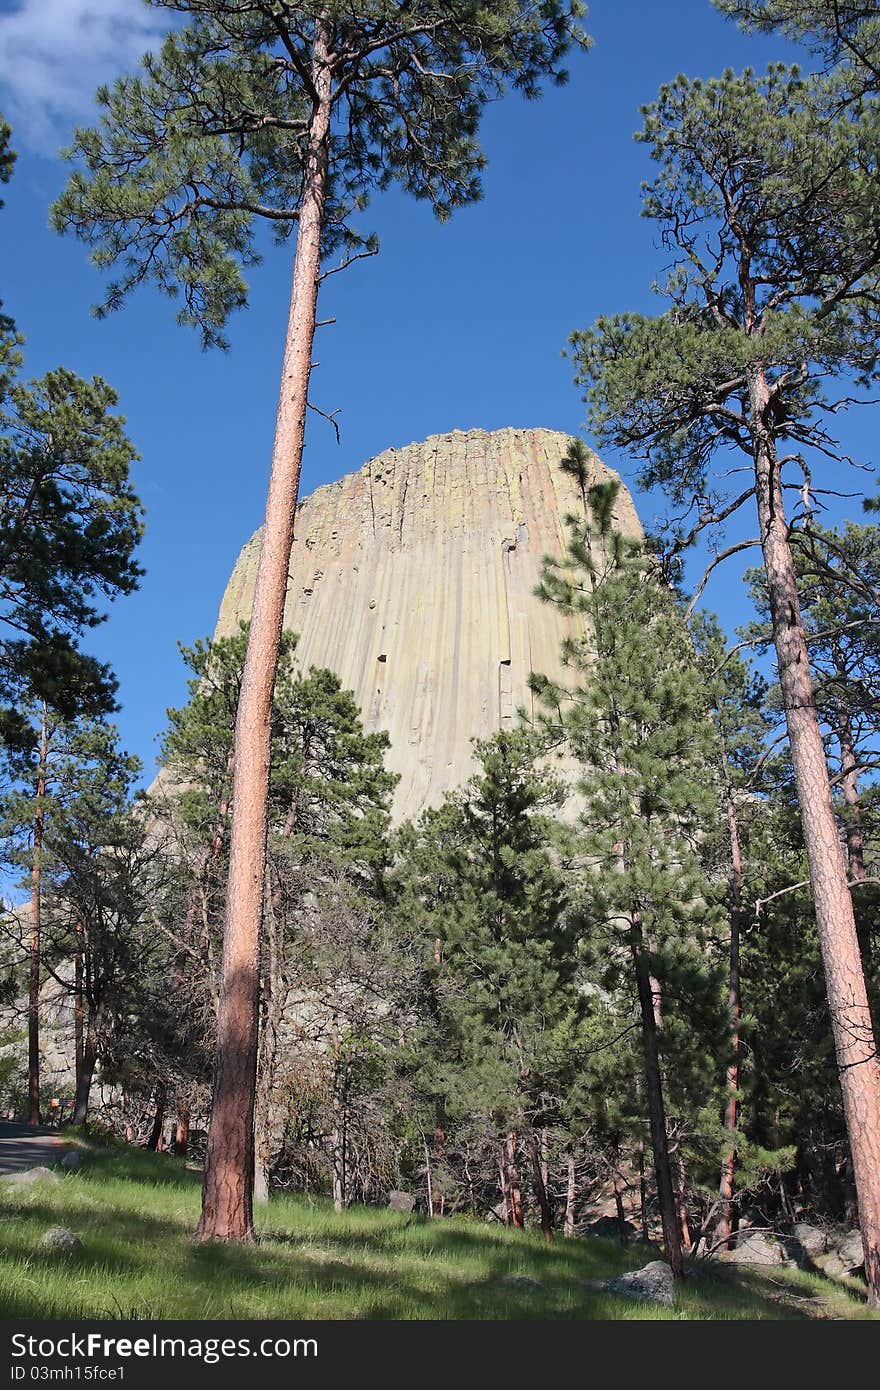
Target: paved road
25,1146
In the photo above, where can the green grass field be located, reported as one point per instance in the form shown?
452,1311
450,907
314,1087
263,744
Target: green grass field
135,1212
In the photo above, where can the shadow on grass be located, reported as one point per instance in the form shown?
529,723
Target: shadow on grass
141,1263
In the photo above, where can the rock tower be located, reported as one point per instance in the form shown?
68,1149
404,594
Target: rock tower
413,579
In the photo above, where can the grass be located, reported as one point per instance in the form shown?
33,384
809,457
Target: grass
134,1213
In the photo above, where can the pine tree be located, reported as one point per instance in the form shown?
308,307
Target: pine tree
67,770
637,724
837,573
328,815
844,32
770,208
69,525
481,889
302,110
68,796
737,697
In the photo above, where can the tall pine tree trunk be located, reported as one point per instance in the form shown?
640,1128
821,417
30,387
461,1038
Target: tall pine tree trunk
87,1068
540,1186
510,1189
155,1140
227,1195
724,1225
568,1224
36,909
271,1009
851,1024
78,1004
654,1091
181,1129
852,824
681,1197
643,1191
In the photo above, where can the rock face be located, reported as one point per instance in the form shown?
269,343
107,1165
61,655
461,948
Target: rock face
413,580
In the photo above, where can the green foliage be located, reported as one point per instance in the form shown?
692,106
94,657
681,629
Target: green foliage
769,207
211,136
636,720
737,696
69,524
846,32
87,779
329,791
483,898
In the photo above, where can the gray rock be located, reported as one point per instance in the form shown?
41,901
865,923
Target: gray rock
608,1228
520,1281
755,1248
653,1284
812,1240
30,1175
849,1250
60,1238
401,1201
752,1216
72,1160
832,1266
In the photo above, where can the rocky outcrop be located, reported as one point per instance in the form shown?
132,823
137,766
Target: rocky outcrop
413,579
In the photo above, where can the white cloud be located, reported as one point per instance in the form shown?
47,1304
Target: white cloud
55,53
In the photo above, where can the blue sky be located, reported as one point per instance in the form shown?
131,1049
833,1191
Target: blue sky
455,326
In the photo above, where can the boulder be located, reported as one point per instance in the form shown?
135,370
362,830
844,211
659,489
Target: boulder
755,1248
608,1228
653,1284
30,1175
520,1281
401,1201
813,1240
72,1160
849,1250
60,1238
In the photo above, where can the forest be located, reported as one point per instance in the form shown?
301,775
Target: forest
632,965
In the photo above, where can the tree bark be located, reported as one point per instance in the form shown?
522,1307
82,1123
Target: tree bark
36,908
429,1186
440,1149
568,1224
337,1146
724,1225
643,1191
654,1091
681,1197
619,1208
503,1184
852,822
155,1140
513,1187
84,1080
181,1129
540,1187
227,1196
844,976
78,1004
271,1010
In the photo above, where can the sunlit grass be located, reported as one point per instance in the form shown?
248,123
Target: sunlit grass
135,1212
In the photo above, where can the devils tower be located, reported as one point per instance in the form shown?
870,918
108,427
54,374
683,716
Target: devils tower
414,580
